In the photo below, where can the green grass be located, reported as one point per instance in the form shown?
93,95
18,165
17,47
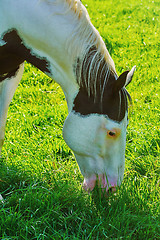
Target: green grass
39,177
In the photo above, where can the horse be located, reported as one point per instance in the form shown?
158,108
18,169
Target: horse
57,37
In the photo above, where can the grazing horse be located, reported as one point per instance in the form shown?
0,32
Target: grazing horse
57,37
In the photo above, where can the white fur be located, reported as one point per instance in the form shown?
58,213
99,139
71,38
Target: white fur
2,43
7,90
94,151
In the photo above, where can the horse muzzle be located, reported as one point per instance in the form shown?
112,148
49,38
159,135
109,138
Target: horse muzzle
107,184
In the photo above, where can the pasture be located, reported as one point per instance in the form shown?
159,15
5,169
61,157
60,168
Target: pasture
39,178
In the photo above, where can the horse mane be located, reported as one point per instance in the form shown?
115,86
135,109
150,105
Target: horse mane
86,47
96,78
93,73
93,65
84,34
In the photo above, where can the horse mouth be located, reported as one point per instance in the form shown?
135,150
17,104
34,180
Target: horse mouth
107,185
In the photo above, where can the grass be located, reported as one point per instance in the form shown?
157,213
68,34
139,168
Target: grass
39,177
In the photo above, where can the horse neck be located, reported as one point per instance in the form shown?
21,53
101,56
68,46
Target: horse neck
44,27
57,31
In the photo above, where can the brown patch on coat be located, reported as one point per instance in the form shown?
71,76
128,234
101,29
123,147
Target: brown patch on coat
14,52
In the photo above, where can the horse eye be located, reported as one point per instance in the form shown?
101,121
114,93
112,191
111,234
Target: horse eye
114,133
111,134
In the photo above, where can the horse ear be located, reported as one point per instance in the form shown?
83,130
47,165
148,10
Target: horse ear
123,80
130,76
120,82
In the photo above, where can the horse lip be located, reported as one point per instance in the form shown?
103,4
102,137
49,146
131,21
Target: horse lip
89,183
107,185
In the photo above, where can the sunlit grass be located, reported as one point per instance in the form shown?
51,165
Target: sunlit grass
39,177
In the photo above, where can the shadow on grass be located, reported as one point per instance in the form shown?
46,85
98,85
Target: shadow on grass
56,208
